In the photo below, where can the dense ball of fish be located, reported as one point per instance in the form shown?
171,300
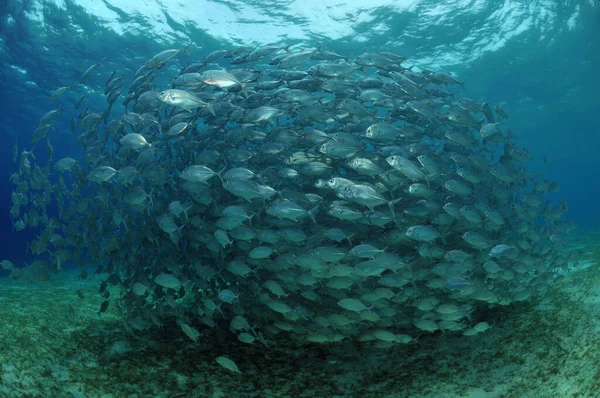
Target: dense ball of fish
295,192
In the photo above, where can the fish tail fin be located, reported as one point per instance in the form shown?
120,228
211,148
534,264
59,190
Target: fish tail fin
312,212
391,205
185,49
210,108
150,197
219,173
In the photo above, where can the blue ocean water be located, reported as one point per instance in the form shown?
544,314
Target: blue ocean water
538,59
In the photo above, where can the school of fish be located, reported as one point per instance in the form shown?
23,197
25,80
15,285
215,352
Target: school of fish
295,192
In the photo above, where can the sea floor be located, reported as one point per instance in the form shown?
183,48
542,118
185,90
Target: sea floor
54,344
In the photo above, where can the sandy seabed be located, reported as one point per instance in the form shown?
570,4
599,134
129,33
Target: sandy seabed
55,344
